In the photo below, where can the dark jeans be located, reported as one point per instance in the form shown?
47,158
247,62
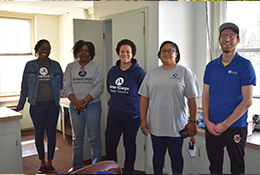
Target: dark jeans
234,139
45,116
129,127
174,146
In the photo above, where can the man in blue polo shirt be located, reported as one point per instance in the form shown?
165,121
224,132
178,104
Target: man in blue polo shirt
227,95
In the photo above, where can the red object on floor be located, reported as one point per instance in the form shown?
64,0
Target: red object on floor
107,165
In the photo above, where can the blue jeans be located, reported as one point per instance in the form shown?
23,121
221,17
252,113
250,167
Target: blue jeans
91,119
174,146
45,116
129,127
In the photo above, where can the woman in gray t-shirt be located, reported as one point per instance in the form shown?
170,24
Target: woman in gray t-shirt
163,90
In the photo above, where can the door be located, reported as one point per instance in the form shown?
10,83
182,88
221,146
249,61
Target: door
92,30
130,26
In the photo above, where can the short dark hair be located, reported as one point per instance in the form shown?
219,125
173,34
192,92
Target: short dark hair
79,44
126,42
175,46
39,44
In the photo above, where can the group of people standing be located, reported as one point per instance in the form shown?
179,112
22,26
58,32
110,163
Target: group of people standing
227,94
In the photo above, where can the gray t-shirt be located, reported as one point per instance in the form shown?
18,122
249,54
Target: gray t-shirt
44,92
82,81
166,91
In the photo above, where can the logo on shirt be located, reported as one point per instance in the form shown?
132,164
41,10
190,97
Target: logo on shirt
237,138
43,74
175,76
82,73
119,81
232,72
43,71
119,89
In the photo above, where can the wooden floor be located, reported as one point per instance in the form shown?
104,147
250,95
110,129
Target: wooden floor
62,158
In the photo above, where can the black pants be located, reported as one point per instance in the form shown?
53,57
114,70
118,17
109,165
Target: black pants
128,126
234,139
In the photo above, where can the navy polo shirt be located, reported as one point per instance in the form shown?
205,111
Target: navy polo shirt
226,83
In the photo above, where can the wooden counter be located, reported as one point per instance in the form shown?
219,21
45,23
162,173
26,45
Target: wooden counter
7,114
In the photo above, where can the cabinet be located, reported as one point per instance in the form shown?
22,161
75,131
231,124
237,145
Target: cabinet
11,102
10,142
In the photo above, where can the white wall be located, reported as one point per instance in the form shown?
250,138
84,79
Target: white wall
66,36
47,27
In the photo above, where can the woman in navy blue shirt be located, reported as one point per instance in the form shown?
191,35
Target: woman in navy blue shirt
123,82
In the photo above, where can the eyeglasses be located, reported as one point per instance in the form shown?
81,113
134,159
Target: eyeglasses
170,51
231,36
45,48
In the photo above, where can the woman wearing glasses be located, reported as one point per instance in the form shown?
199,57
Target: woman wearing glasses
42,84
83,85
163,91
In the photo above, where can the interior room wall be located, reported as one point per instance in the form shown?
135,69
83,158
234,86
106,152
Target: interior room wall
47,27
66,36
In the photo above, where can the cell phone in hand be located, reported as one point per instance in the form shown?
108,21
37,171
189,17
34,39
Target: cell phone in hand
184,133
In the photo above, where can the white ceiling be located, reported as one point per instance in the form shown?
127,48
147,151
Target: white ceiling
44,7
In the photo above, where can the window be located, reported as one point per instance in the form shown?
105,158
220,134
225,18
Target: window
247,16
15,37
15,51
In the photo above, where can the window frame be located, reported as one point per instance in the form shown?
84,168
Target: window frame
20,16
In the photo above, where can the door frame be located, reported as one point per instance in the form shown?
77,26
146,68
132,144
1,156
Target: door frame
144,10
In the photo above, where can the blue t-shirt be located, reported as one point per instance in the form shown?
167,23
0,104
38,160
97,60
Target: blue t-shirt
225,91
123,87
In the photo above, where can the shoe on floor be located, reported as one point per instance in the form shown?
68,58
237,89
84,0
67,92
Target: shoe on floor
51,170
42,170
72,170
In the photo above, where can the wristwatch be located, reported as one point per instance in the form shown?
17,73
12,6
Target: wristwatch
193,121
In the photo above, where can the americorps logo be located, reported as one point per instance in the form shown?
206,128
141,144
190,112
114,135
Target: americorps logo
232,72
175,76
118,88
43,71
119,81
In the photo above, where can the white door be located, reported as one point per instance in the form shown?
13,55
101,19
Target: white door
130,26
92,30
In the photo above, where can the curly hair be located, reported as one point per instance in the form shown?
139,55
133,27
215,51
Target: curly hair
79,44
126,42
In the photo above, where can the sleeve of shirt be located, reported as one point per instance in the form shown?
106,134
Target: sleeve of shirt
248,76
192,86
61,80
144,90
67,83
206,78
98,84
24,89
